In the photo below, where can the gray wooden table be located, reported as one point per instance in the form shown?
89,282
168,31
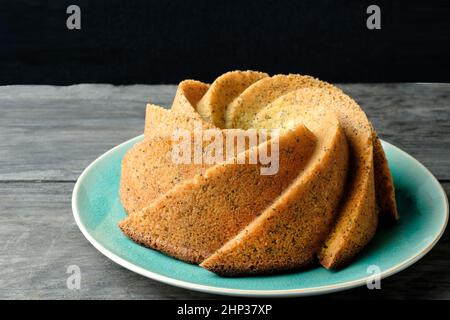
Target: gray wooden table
48,135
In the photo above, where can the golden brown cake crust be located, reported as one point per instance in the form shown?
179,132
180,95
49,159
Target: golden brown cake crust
148,172
333,180
264,95
213,105
288,234
162,122
195,218
384,185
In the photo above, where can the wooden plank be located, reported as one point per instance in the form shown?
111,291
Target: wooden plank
53,133
39,240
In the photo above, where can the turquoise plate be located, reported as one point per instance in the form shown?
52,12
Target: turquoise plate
422,204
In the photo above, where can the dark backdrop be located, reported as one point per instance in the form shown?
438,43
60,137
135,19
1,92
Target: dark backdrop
130,41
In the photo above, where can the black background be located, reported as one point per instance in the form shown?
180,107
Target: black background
130,41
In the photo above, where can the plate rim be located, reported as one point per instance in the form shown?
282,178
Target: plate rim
250,292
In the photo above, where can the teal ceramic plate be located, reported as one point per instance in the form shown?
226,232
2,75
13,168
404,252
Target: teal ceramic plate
421,201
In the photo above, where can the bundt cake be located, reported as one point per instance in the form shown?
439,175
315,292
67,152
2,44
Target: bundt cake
317,197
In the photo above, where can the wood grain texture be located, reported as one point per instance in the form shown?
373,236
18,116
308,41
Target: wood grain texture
48,135
52,133
39,240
